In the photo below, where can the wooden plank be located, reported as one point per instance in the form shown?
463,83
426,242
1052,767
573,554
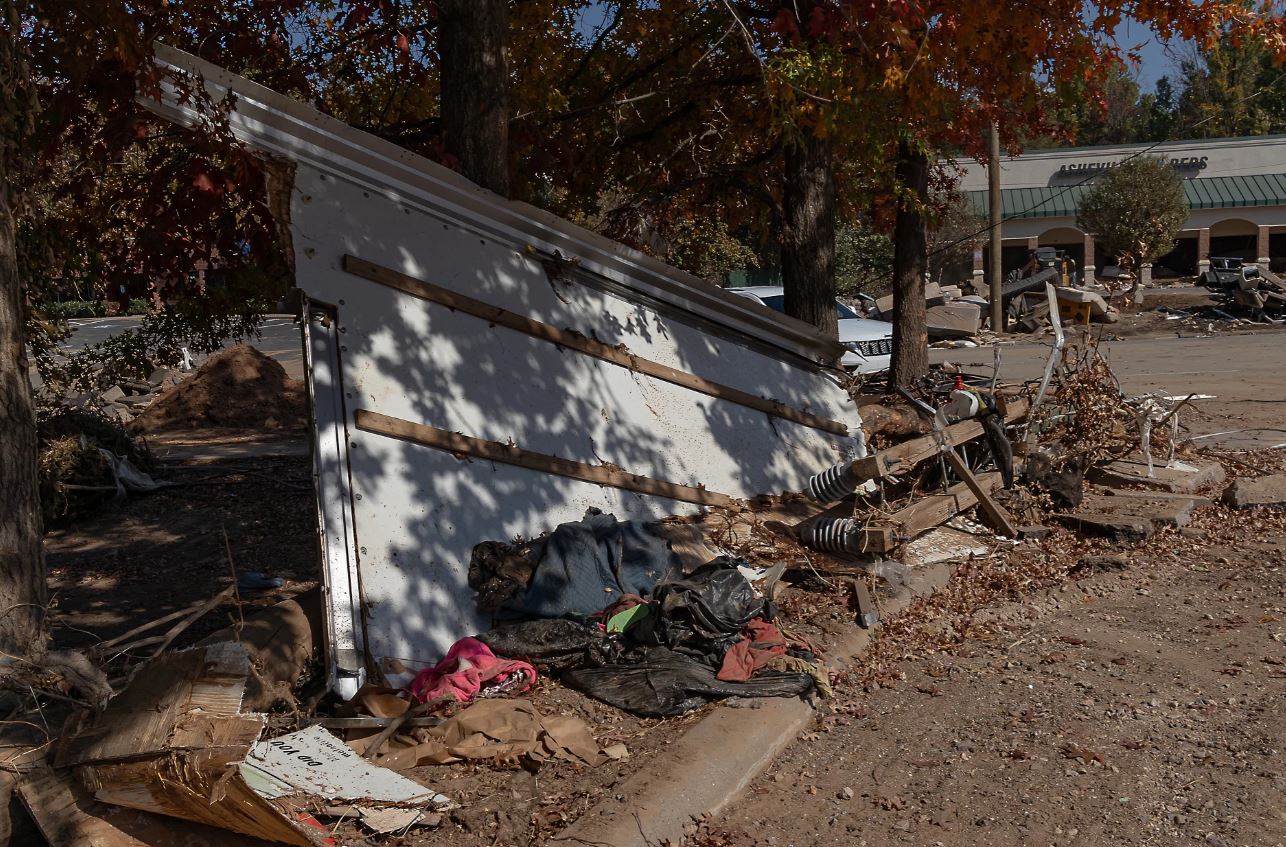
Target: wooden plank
867,614
203,786
454,442
67,815
992,513
902,458
572,340
924,514
147,716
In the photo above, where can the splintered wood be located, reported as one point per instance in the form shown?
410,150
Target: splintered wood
67,815
924,514
176,742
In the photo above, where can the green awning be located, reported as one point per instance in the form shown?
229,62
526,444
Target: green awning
1216,192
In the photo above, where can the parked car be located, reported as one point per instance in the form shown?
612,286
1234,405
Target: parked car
869,343
1227,272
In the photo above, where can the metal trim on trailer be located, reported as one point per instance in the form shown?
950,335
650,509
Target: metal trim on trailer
346,631
278,124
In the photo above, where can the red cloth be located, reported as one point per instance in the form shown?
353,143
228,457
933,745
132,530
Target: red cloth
760,641
468,666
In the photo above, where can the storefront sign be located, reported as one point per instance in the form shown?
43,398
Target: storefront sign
1184,163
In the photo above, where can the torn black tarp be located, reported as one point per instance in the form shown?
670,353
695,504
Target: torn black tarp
658,682
702,615
555,645
667,663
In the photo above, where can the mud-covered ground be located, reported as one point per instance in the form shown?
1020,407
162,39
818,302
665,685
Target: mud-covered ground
1138,706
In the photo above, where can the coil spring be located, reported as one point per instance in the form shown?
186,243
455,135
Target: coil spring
834,483
834,535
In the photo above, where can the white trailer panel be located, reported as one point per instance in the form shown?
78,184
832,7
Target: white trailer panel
399,518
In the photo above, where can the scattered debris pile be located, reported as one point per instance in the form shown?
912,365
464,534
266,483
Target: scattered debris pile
949,312
125,400
618,613
237,387
86,459
1260,293
655,618
1237,293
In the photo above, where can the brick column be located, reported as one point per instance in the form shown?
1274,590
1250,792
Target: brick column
1261,243
1203,250
1033,242
1087,270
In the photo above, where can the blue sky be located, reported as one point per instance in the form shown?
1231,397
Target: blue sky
1156,62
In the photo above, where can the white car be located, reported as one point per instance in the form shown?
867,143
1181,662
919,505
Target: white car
869,343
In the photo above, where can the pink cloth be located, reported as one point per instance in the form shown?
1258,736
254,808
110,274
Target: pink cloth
468,666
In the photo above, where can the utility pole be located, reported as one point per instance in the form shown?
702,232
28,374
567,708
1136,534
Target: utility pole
994,279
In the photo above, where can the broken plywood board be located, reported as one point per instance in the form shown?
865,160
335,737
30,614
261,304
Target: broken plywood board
68,816
265,789
943,544
203,787
175,743
171,703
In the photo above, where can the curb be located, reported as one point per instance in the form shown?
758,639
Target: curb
712,764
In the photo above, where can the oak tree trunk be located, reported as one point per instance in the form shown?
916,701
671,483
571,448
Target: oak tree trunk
475,88
22,564
808,232
910,330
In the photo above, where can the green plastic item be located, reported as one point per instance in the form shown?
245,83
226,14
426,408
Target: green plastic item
622,621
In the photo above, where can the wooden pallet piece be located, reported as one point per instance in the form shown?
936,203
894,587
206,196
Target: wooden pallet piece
902,458
924,514
992,513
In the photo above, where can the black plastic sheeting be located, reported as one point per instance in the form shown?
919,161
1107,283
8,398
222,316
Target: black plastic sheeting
702,615
658,682
666,664
554,645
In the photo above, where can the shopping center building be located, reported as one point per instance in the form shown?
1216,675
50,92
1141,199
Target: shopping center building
1236,190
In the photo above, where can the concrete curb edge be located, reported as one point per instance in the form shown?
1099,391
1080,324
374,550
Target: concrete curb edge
711,765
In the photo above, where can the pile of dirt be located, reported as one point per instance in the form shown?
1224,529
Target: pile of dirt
237,388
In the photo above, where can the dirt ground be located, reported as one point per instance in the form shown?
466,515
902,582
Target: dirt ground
239,387
142,557
1141,706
